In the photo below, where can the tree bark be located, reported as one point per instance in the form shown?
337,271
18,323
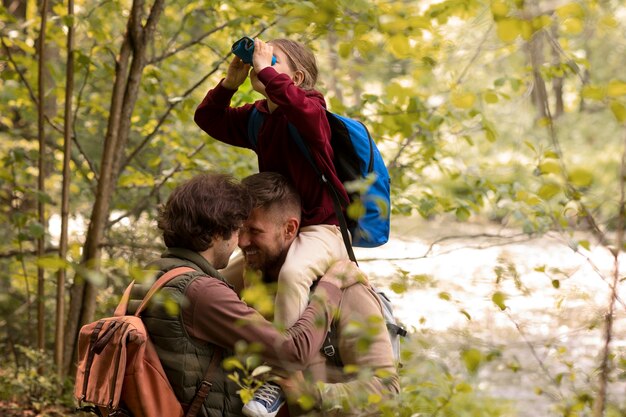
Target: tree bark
128,72
65,199
41,134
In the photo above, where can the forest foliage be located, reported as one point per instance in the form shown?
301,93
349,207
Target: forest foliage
508,110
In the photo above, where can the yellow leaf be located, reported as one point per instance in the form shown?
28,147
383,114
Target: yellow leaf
548,190
462,100
498,299
400,47
52,263
616,88
508,29
593,92
619,111
569,10
550,166
572,26
581,177
609,21
499,8
490,97
526,29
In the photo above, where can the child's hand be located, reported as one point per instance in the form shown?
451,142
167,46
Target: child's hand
236,74
262,56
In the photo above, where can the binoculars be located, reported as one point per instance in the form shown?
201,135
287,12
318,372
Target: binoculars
244,48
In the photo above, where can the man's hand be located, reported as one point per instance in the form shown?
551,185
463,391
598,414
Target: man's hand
236,74
300,391
343,274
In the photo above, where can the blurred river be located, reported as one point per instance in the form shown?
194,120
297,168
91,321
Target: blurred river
555,298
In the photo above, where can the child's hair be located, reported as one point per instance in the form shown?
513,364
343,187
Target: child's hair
300,59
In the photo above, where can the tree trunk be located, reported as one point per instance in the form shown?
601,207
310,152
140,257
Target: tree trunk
41,134
539,93
65,199
128,71
557,82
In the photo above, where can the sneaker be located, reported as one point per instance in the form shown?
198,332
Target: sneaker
266,402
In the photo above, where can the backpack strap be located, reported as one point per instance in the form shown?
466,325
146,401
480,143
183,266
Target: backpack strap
205,386
343,224
330,348
254,125
163,279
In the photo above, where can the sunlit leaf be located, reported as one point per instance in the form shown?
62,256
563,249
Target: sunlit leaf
499,8
462,100
499,299
573,26
616,88
462,213
580,177
508,29
550,166
490,97
52,263
472,358
548,190
593,92
260,370
619,111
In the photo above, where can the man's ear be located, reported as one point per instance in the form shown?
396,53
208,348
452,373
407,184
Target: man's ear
298,78
291,228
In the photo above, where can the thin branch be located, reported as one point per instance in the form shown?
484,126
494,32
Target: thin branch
27,85
189,44
155,189
173,104
459,80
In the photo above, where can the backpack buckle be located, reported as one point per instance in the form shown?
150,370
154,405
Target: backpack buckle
329,350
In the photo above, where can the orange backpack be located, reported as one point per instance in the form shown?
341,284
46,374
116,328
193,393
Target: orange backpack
119,371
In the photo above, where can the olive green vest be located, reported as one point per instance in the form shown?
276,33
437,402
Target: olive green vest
184,359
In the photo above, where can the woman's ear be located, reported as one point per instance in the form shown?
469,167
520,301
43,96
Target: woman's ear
298,78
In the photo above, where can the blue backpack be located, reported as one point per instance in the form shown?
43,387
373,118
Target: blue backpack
356,159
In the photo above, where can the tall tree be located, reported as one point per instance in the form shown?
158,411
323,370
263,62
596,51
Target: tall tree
129,66
59,342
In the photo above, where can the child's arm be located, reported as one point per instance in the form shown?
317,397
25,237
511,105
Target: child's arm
304,110
215,116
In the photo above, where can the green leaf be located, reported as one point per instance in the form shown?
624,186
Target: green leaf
548,190
619,111
581,177
444,296
585,244
490,97
550,166
472,358
499,299
593,92
462,214
52,263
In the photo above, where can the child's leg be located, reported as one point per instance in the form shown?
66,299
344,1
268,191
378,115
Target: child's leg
310,255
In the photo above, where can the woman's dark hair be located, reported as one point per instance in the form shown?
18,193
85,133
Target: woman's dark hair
205,207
